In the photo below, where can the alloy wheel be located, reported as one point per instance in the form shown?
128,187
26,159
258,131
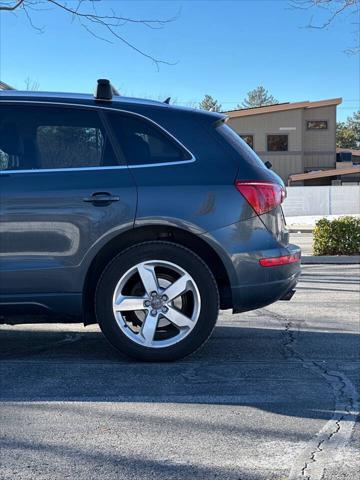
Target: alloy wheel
156,303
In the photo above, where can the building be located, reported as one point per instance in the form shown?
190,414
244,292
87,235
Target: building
5,86
295,137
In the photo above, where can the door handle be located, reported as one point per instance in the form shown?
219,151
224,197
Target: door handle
101,198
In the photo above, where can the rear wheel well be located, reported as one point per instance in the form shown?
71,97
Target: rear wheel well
143,234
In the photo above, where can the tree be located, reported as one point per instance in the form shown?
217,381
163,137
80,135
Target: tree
258,98
330,11
209,103
105,26
348,133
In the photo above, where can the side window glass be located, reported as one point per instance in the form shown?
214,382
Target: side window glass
10,145
52,138
70,146
7,161
143,143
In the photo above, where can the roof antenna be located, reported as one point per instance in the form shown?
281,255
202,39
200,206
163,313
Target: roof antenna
167,100
104,90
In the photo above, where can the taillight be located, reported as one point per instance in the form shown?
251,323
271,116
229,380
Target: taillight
283,260
262,196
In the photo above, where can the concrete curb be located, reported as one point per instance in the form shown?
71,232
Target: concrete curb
300,229
331,259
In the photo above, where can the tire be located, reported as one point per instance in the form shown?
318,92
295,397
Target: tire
141,316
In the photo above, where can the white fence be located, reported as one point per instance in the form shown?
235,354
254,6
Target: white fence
325,200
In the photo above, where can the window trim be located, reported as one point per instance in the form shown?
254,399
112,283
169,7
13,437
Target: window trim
278,135
102,115
317,129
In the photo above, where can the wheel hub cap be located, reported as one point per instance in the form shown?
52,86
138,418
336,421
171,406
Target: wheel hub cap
157,303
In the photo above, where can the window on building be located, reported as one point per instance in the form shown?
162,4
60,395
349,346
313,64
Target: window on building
143,143
277,143
249,139
317,124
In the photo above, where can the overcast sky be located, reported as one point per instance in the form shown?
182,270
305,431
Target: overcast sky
223,48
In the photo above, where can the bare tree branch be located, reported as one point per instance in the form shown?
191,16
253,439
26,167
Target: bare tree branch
92,21
35,27
31,85
11,7
335,9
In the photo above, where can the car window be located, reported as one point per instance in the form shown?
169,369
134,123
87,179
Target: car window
143,143
52,138
241,147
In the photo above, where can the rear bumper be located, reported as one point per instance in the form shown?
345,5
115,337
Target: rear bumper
259,295
253,285
272,283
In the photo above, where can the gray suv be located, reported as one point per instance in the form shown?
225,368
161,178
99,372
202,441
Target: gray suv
138,215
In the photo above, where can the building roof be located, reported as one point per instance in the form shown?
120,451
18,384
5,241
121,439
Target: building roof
333,172
355,153
5,86
280,107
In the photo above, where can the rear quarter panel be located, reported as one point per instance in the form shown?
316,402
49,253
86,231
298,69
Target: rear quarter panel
198,195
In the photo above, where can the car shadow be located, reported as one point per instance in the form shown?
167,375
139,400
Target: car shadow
238,366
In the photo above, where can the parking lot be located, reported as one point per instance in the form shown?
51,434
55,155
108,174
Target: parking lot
273,395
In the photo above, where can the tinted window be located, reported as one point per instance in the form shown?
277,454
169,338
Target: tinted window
144,143
277,143
48,138
232,138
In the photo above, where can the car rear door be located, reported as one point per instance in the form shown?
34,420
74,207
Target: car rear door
63,192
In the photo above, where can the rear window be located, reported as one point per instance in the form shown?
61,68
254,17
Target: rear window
241,147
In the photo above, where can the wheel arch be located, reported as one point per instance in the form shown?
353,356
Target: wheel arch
150,233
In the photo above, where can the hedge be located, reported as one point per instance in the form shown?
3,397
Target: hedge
337,237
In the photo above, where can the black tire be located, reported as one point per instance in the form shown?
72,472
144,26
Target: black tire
165,251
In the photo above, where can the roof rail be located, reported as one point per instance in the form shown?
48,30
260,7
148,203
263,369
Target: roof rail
104,90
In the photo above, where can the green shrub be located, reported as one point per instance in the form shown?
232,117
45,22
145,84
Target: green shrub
337,237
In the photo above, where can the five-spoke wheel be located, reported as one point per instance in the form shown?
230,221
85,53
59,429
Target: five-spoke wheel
157,301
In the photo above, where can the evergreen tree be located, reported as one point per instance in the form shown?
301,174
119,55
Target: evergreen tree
258,98
209,103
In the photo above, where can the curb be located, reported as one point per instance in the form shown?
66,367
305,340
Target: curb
300,229
331,259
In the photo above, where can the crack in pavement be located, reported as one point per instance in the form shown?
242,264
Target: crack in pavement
329,442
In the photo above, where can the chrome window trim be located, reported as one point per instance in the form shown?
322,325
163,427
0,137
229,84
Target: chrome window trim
81,169
103,108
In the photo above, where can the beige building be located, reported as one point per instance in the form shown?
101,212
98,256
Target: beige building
295,137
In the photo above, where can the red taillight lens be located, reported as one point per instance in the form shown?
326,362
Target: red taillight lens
284,260
262,196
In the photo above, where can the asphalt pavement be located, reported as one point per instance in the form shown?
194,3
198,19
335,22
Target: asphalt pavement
272,395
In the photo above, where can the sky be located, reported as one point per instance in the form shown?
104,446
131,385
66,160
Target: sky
221,48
